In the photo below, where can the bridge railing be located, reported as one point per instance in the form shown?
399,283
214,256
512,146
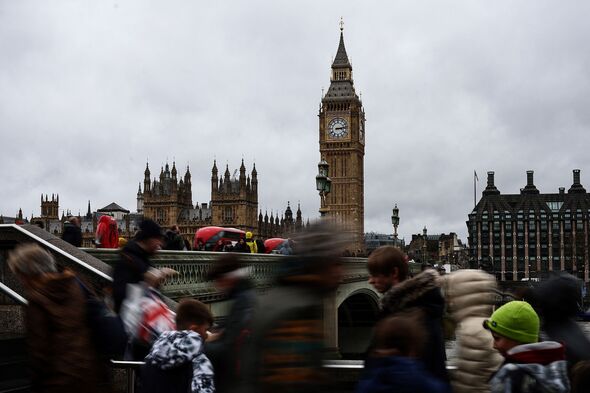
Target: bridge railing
193,267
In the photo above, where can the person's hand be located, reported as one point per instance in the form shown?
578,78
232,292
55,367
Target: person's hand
155,277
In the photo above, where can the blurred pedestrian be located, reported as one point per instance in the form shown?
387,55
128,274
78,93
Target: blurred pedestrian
72,232
62,357
470,295
107,234
145,314
224,347
176,363
134,259
286,348
173,239
557,302
260,246
241,246
529,365
392,366
388,273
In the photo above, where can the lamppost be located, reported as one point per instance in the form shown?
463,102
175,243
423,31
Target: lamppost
395,223
323,185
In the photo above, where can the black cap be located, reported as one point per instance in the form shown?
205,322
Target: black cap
149,229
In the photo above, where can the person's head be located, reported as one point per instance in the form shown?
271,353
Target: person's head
150,236
248,235
174,228
227,271
29,260
193,315
387,267
74,221
513,324
399,335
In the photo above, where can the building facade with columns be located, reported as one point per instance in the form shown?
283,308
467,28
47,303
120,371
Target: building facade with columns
530,234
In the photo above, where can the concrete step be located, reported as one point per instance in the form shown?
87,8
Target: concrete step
14,368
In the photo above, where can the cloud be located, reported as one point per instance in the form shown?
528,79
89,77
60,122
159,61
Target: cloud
90,91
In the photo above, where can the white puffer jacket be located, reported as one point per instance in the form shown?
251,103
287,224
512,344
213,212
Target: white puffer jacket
470,295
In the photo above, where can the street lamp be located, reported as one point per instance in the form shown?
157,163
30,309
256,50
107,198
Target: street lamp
395,223
323,185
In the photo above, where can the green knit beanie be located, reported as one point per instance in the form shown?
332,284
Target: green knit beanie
515,320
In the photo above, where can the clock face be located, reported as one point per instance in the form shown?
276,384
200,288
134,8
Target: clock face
338,128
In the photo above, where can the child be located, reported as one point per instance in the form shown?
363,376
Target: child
529,366
392,366
176,362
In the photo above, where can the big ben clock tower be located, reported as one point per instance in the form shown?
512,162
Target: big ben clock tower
342,145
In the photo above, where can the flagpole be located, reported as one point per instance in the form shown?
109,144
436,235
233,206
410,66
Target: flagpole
474,189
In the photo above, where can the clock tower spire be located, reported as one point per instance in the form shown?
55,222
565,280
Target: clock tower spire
342,145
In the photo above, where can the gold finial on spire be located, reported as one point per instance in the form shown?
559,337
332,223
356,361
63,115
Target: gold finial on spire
341,24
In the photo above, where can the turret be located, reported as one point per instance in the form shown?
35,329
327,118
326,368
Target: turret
242,176
174,173
214,178
146,178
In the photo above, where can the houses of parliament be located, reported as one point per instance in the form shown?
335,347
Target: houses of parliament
234,203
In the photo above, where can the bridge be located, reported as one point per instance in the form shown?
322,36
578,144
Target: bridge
349,313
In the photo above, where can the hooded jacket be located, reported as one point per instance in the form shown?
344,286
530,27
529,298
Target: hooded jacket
532,368
62,356
106,233
422,293
470,295
176,363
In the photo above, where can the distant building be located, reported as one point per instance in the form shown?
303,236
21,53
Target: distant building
529,235
375,240
437,249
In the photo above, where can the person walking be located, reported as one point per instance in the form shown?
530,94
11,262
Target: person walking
530,366
176,362
392,366
388,274
134,259
470,295
224,347
62,357
107,235
251,243
72,232
286,348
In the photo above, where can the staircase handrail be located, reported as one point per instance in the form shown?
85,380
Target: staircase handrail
13,295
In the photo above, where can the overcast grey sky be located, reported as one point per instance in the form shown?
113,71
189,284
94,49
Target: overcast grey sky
91,89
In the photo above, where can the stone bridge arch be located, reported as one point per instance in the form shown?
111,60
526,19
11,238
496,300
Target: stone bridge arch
357,307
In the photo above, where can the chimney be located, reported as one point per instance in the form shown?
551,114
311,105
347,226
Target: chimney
561,190
529,179
576,176
577,187
530,184
491,187
490,179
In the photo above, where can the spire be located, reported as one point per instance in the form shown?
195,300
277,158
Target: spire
139,189
146,173
226,174
341,59
214,169
88,213
174,170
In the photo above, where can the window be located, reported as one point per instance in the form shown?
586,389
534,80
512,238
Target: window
554,206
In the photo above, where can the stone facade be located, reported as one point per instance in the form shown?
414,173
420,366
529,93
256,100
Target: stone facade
529,235
342,146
